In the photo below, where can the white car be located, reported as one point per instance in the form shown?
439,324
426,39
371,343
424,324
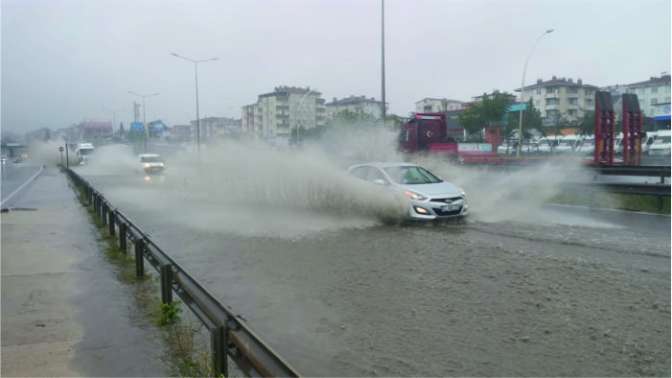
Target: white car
661,144
152,163
429,197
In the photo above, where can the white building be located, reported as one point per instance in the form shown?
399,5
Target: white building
277,113
560,99
653,94
436,105
355,104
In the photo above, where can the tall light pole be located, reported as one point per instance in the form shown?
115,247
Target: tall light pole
522,87
198,117
382,60
144,113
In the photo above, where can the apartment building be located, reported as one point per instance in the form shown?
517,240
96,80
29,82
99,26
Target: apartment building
355,104
560,99
653,94
435,105
277,113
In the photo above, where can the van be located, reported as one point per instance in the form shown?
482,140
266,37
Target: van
661,144
83,152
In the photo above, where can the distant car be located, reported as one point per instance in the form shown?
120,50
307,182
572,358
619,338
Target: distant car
152,163
430,197
661,145
83,151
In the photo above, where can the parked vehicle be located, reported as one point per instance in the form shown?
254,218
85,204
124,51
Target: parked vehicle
429,196
586,146
566,143
661,144
428,133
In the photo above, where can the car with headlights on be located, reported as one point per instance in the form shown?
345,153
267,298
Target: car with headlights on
430,197
152,164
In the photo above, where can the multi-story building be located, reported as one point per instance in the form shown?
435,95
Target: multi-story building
435,105
211,127
355,104
560,99
277,113
248,119
653,95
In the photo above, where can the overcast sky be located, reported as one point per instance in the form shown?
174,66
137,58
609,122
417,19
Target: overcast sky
65,61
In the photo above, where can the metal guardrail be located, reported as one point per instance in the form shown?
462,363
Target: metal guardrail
658,190
229,335
640,170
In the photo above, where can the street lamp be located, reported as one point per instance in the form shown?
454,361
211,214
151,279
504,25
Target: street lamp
144,113
522,86
382,60
198,117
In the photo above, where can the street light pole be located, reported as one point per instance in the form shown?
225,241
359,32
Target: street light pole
144,114
198,116
522,87
382,60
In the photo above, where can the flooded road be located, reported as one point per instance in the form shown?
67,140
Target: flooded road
563,291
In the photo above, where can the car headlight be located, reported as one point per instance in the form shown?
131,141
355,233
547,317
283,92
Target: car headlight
414,196
146,165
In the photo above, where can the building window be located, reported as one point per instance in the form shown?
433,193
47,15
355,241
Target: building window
653,101
654,89
571,112
573,100
551,101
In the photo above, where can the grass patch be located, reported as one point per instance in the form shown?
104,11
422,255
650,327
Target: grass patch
187,357
631,202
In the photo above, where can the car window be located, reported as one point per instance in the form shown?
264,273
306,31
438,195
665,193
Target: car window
412,175
360,172
376,174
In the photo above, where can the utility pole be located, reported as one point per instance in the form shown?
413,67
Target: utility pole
198,116
382,60
522,89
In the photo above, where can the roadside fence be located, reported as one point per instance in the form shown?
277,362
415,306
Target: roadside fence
229,335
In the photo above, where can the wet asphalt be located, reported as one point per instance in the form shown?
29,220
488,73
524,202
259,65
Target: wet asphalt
567,291
65,311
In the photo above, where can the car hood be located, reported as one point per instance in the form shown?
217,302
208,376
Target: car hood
441,188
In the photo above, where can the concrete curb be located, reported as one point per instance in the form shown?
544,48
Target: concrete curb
21,187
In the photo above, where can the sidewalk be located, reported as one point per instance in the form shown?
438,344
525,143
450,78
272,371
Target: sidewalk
64,312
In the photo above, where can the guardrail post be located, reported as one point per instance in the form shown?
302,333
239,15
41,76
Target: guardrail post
220,363
122,237
166,283
110,222
103,213
139,257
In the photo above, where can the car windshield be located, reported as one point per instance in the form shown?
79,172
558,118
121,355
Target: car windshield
150,159
662,140
411,175
86,151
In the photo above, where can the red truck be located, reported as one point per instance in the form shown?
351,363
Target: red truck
428,133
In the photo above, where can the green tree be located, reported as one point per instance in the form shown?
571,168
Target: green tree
587,123
531,120
488,112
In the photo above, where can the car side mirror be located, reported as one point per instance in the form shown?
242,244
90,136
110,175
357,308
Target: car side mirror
379,182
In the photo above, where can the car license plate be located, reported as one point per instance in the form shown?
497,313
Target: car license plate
450,207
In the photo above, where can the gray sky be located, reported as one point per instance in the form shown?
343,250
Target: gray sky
67,60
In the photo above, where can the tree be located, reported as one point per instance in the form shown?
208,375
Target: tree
531,120
489,111
587,123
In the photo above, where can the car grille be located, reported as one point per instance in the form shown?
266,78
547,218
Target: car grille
442,213
446,200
